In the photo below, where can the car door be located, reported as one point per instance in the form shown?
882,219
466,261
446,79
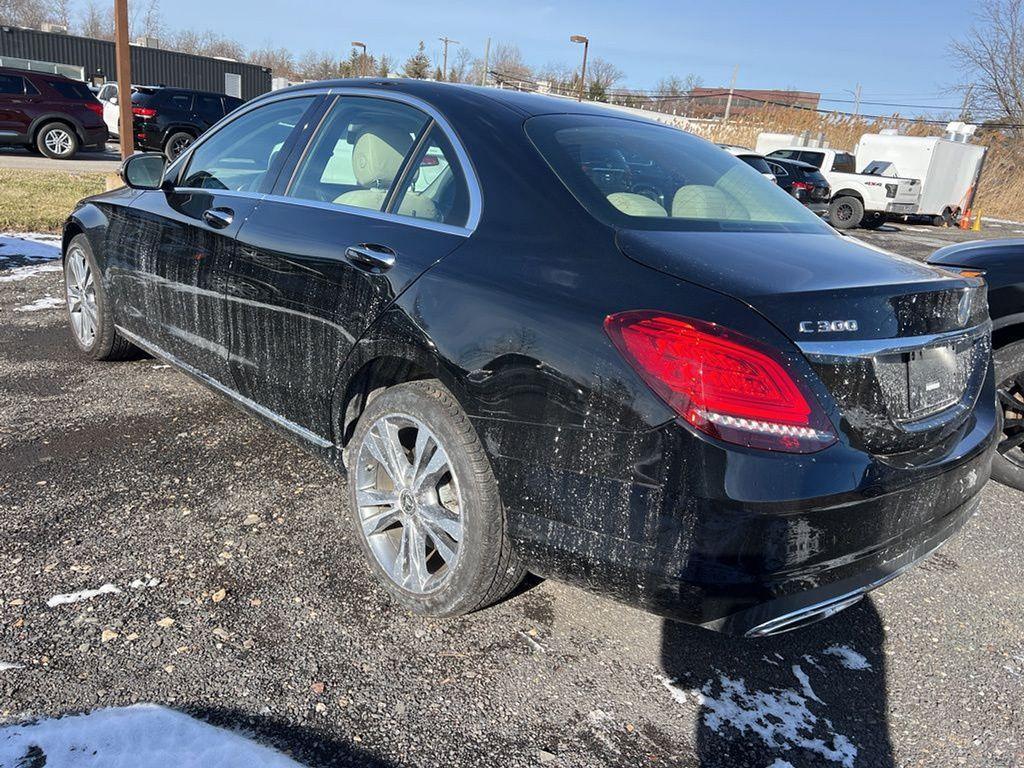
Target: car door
375,197
17,97
207,110
173,247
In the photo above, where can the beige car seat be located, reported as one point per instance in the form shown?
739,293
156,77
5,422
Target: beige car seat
633,204
699,201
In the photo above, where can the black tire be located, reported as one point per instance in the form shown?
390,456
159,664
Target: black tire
944,219
873,220
846,212
57,141
177,143
487,567
1008,467
106,343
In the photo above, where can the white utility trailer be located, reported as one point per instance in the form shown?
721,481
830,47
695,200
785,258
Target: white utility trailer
948,170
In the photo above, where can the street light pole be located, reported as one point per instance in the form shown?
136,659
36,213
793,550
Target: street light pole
122,55
444,66
583,72
362,60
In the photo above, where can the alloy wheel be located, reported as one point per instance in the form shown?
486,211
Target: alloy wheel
81,297
58,141
178,146
844,213
1011,399
410,508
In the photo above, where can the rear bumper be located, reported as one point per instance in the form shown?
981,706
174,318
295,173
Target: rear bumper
902,209
819,208
93,136
746,543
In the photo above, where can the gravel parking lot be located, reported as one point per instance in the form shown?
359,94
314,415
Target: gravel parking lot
229,589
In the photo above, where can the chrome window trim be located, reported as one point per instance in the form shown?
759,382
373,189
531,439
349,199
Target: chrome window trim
468,169
832,351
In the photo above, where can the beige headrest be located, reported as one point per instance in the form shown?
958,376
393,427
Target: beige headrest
697,201
633,204
378,154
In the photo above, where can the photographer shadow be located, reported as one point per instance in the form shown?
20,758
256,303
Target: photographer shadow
813,697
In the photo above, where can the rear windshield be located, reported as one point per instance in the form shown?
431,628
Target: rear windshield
70,89
639,175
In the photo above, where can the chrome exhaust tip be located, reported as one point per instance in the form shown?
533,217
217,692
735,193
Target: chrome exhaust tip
804,616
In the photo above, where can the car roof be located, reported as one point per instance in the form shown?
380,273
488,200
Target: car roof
791,162
484,98
34,73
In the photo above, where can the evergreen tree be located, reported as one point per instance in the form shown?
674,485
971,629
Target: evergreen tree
417,65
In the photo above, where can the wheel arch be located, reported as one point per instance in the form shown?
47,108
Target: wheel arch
56,117
1008,330
848,192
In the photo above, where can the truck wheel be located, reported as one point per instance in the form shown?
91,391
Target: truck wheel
846,212
57,141
1008,465
873,220
944,219
425,505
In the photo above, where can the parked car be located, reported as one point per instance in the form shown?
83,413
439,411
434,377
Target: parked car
50,114
804,182
751,158
720,410
1001,263
168,120
858,200
111,110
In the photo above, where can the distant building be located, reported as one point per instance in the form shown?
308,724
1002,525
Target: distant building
93,61
710,102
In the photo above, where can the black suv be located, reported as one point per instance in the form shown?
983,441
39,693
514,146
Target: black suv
168,120
51,114
803,181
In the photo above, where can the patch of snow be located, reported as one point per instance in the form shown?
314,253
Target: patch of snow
85,594
848,657
47,302
142,736
780,718
780,763
1001,221
805,683
674,690
142,583
23,256
6,665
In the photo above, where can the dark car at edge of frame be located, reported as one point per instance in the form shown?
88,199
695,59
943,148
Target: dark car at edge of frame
703,402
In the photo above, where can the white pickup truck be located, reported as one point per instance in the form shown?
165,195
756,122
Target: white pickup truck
858,199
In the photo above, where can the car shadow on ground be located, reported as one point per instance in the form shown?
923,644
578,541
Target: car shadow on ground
812,697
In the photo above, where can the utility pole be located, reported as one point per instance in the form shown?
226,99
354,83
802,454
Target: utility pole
123,57
732,89
444,68
487,58
856,102
583,72
967,104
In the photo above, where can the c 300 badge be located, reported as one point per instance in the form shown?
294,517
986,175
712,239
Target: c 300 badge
828,326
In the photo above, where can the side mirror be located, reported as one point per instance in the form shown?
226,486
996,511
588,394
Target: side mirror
144,170
112,99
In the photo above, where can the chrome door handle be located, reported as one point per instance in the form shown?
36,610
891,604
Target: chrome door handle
219,218
370,256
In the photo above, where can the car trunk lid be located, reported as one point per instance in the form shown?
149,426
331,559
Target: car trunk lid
902,347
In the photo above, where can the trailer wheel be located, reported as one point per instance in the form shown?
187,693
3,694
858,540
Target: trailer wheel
944,219
873,220
846,212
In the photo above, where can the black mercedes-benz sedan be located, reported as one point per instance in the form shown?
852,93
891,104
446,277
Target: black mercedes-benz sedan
667,382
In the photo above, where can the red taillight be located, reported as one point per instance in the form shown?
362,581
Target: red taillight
429,160
721,382
94,106
145,112
806,186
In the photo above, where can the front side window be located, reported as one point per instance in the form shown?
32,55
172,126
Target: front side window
435,188
641,175
357,152
239,155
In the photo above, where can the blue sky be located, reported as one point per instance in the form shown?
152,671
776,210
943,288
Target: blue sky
897,50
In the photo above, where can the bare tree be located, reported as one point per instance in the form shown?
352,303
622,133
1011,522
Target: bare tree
602,76
146,19
317,65
205,43
97,21
33,13
461,67
991,58
278,60
507,60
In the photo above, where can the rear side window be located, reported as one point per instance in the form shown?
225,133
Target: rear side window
844,163
70,89
756,162
640,175
778,170
180,101
239,155
434,188
12,85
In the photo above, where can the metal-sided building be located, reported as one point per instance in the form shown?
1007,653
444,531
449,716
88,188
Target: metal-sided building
94,60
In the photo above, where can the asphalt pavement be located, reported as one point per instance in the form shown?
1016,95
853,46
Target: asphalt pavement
160,547
107,161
